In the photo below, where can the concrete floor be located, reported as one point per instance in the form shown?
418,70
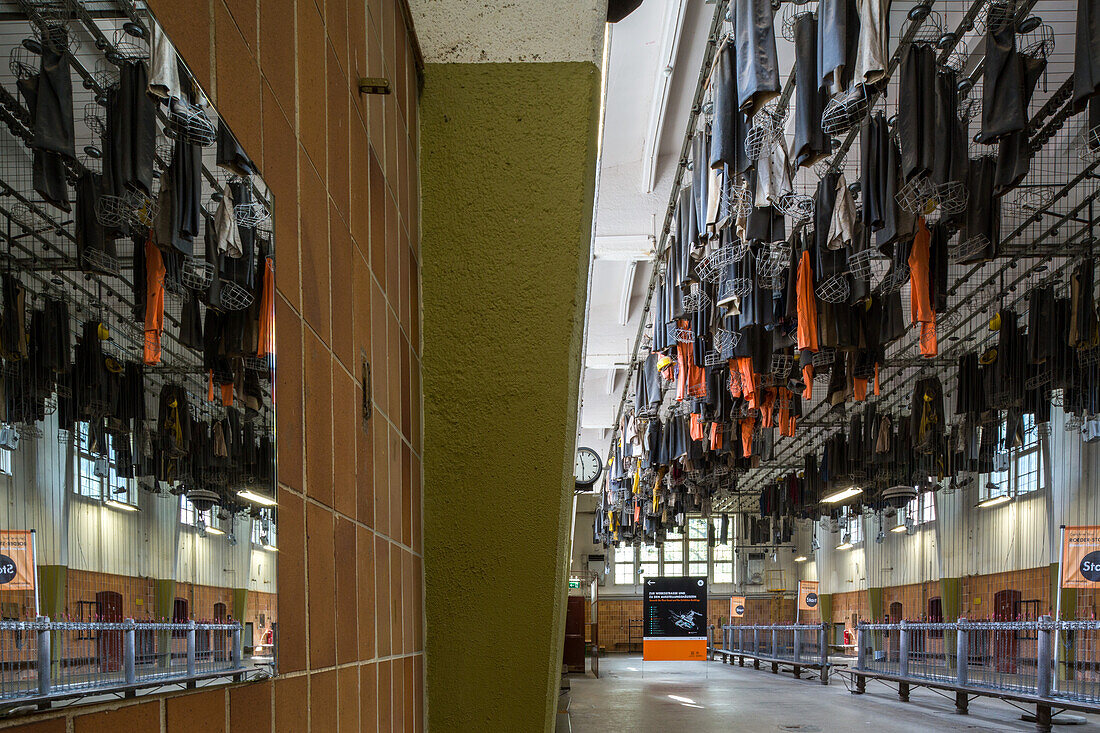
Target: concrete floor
698,697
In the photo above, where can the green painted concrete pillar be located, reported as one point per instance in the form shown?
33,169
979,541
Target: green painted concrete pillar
240,604
53,583
508,153
950,605
825,604
164,598
874,602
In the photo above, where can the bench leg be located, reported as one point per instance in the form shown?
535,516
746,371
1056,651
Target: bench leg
861,685
798,673
741,661
1042,718
825,675
962,703
755,663
775,668
903,691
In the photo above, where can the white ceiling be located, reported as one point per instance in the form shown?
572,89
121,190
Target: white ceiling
653,66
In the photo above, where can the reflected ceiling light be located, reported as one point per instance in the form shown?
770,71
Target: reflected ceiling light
252,496
839,496
844,546
898,529
801,558
121,505
214,530
271,548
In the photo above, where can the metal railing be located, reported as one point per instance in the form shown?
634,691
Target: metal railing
1046,659
45,660
803,644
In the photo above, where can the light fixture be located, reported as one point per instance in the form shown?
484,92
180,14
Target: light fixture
839,496
255,498
844,546
271,548
898,529
801,558
214,530
814,545
880,537
121,505
232,539
993,501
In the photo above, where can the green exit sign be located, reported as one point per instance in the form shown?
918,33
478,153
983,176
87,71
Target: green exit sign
574,582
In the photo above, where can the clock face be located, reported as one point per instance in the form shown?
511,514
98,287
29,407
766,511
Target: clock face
587,466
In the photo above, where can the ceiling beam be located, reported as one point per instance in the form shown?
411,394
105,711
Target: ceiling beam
670,42
611,374
623,247
628,291
606,361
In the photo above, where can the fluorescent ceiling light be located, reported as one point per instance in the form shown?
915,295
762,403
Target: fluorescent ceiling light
252,496
993,501
801,558
839,496
272,548
899,528
121,505
844,546
214,530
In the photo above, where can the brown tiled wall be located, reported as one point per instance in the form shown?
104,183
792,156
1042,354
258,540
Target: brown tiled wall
343,171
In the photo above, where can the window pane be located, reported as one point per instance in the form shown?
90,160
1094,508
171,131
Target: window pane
697,552
697,568
674,551
723,572
723,553
648,553
649,570
697,529
673,569
624,573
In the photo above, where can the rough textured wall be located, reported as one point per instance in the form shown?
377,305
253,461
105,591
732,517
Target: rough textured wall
343,170
508,165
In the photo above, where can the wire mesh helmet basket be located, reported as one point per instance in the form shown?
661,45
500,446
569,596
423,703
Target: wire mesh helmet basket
29,219
869,264
823,358
695,299
916,194
713,358
781,365
774,259
798,206
129,44
845,111
106,76
234,297
1034,199
960,52
98,261
970,248
1035,38
1086,143
738,199
735,287
196,273
189,123
996,15
834,289
711,268
765,131
931,26
792,13
725,341
1088,357
895,279
93,118
22,61
142,209
951,197
251,214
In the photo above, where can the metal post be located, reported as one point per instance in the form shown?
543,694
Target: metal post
1058,607
740,639
861,648
823,649
903,650
961,652
797,651
191,649
1043,685
44,656
755,641
775,643
129,652
237,646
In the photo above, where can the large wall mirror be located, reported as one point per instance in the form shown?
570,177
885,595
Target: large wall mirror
138,521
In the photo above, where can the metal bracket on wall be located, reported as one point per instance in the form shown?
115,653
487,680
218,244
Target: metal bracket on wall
374,85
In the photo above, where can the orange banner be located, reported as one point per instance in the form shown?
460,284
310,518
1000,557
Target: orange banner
737,607
17,570
807,595
673,650
1081,557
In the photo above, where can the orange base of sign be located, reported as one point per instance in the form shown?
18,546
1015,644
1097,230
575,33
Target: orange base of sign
674,650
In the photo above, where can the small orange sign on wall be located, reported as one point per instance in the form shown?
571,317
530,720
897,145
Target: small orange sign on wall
1081,557
17,562
737,607
807,595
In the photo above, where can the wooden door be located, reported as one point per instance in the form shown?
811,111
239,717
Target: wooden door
221,638
1005,644
573,654
108,608
895,638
